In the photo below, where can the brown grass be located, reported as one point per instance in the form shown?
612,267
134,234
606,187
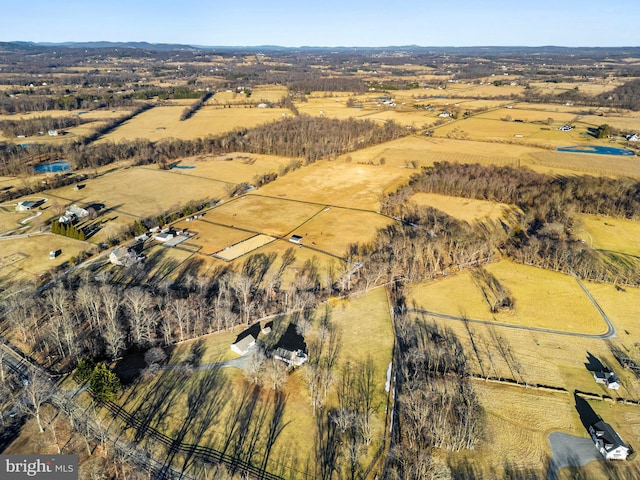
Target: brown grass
242,248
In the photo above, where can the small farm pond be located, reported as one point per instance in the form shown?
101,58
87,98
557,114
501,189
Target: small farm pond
597,150
53,167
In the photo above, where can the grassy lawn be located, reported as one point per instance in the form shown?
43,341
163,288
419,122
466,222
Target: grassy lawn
519,422
233,168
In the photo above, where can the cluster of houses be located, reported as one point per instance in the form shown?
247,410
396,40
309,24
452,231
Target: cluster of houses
285,352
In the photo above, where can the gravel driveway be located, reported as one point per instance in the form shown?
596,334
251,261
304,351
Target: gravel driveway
570,451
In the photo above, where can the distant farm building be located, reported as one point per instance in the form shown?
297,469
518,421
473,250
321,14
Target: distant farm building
444,114
27,205
297,239
608,442
163,236
633,138
53,133
565,128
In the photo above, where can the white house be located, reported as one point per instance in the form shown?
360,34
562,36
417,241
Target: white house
607,378
72,214
291,358
633,138
565,128
242,347
297,239
608,442
444,114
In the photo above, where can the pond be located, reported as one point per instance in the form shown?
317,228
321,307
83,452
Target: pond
597,150
183,167
53,167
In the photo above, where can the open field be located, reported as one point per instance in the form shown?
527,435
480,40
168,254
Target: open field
519,422
210,236
164,122
255,213
559,118
614,234
466,209
233,168
244,247
344,184
427,150
139,191
587,88
627,124
543,299
477,128
584,163
623,308
334,229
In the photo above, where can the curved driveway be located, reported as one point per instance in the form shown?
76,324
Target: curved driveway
611,330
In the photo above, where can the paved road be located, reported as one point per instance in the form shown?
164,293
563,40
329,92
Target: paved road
570,451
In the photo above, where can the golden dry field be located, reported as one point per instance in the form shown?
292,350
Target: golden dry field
476,128
584,163
334,229
558,118
622,306
338,183
519,422
466,209
613,234
261,214
164,122
587,88
630,123
543,299
427,150
211,237
233,168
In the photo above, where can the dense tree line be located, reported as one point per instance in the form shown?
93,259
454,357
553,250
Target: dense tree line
436,405
33,126
194,107
541,231
82,317
303,136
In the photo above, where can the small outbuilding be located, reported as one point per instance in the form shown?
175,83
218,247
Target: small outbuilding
297,239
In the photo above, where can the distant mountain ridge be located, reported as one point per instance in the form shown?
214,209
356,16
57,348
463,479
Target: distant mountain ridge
548,49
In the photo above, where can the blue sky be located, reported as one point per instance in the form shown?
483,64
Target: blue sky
327,22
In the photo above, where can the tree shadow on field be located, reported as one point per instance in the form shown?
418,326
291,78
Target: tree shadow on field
587,415
593,363
467,470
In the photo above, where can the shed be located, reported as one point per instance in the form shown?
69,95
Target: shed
297,239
